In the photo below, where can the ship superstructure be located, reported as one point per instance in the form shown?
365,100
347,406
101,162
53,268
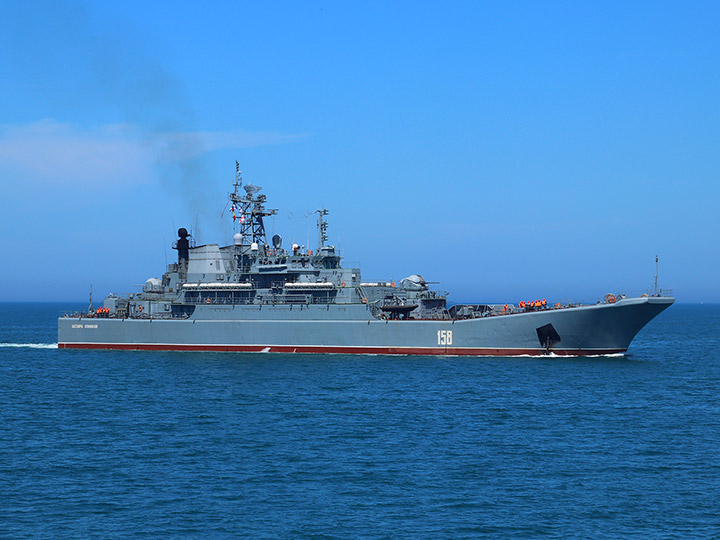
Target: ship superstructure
256,295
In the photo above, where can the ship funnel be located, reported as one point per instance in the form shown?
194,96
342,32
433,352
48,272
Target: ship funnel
183,245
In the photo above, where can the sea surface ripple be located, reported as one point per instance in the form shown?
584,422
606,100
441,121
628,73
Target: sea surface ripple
105,444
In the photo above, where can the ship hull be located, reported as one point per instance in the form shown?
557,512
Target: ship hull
588,330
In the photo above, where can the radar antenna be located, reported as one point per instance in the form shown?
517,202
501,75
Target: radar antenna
251,189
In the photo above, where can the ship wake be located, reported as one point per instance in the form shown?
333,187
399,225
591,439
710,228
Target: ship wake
29,345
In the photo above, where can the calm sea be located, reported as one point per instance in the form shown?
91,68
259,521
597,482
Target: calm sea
223,445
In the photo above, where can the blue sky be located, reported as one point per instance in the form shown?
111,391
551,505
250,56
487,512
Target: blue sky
506,150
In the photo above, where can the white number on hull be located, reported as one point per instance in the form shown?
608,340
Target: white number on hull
444,337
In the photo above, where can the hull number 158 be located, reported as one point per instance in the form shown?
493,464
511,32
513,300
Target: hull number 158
444,337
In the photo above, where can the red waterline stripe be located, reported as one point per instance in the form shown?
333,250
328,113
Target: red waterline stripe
429,351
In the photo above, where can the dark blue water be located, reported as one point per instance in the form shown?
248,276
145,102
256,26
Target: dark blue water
102,444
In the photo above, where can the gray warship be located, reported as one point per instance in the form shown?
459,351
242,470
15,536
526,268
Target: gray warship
257,296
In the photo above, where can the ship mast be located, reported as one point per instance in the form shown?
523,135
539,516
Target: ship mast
656,291
322,226
249,210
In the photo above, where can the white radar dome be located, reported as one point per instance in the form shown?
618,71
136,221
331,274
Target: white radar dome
237,239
